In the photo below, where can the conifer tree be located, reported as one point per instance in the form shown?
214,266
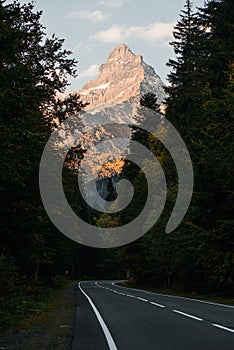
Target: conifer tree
33,69
200,105
188,71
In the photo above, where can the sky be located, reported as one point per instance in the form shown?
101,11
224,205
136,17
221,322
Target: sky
92,29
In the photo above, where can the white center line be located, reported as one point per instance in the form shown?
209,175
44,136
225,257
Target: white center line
222,327
142,299
109,339
191,316
156,304
115,283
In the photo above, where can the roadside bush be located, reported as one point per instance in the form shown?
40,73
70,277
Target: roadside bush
58,281
7,275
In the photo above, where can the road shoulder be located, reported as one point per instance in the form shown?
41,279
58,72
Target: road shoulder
50,330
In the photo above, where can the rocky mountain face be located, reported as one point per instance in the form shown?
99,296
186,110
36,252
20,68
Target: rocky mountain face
124,77
113,98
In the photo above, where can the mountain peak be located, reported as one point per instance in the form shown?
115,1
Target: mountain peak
124,77
123,54
113,97
121,50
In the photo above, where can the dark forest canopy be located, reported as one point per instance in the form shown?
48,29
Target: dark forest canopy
199,254
33,69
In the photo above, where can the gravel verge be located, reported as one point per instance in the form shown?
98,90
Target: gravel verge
48,331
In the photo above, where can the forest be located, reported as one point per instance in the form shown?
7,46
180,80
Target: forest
198,256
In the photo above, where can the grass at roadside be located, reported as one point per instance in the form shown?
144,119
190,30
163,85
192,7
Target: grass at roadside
51,329
28,305
52,302
175,292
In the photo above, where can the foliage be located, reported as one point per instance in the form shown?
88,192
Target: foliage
7,274
199,255
34,69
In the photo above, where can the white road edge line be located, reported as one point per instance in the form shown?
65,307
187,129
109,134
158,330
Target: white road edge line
191,316
222,327
156,304
109,339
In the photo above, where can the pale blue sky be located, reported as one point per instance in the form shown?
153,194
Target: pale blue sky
92,29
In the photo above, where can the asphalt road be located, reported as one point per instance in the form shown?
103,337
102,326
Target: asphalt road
113,317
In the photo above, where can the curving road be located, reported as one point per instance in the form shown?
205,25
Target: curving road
113,317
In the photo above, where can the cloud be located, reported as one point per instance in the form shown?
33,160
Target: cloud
114,34
90,72
94,16
155,32
81,47
113,3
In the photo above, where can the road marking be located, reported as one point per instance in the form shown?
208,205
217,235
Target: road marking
109,339
139,298
111,290
172,296
191,316
222,327
156,304
98,285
